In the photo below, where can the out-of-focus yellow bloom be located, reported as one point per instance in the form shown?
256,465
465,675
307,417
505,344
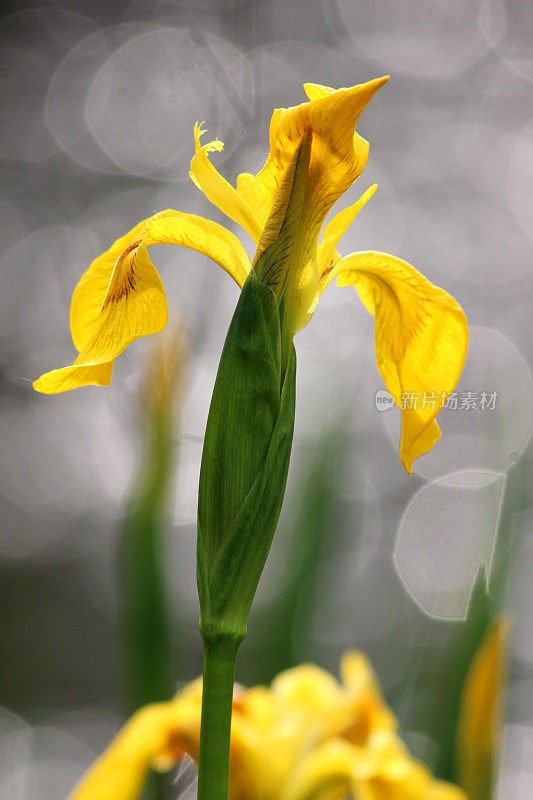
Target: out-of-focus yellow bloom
481,713
421,332
307,736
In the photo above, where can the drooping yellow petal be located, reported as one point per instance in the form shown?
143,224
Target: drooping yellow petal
216,188
335,230
172,227
79,374
481,711
91,289
421,337
156,736
120,297
204,236
133,306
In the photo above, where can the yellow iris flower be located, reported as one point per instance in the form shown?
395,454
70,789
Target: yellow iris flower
306,737
421,332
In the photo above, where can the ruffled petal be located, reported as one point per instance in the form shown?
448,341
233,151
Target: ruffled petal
216,188
120,297
421,336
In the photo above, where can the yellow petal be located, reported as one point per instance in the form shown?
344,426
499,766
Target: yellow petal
335,230
119,774
356,671
421,336
89,294
306,688
481,711
172,227
61,380
216,188
440,790
204,236
120,297
134,305
325,773
315,91
338,156
255,195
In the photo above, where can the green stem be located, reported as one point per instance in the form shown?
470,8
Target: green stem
220,654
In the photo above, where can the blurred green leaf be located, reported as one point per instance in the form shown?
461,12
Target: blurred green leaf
148,660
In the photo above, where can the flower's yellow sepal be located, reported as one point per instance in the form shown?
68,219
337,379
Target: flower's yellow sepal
121,297
421,336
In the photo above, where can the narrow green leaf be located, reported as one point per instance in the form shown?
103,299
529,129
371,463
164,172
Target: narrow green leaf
148,659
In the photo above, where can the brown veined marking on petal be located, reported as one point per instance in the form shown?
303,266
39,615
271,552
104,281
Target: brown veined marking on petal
122,280
325,273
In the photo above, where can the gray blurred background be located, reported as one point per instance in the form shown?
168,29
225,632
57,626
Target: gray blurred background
98,105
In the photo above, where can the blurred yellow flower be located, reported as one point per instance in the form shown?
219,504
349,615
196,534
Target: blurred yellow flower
421,332
307,736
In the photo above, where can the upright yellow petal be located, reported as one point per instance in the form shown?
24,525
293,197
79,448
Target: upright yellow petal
421,336
315,91
339,155
255,195
335,230
120,297
481,711
307,689
216,188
